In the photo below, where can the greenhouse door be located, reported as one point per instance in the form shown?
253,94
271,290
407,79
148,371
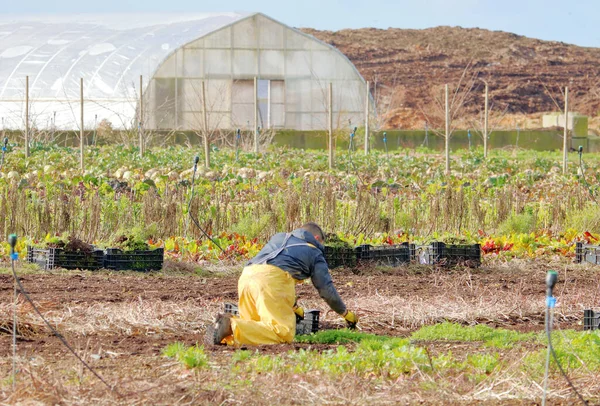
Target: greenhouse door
270,98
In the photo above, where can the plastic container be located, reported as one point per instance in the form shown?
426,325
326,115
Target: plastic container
309,325
340,257
441,254
392,255
591,320
143,261
51,258
587,253
231,309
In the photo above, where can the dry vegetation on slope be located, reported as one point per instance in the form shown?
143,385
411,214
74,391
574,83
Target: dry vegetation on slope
525,74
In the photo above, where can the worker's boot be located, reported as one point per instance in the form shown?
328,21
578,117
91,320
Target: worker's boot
220,329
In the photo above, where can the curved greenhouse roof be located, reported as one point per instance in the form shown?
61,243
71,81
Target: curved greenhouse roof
172,52
109,52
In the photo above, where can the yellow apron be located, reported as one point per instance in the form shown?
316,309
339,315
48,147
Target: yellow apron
266,306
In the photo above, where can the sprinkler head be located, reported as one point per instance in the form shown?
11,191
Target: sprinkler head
551,279
196,160
5,141
12,241
580,149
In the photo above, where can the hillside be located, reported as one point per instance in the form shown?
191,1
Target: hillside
525,75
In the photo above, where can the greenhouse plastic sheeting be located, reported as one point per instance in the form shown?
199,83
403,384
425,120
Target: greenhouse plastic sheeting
109,52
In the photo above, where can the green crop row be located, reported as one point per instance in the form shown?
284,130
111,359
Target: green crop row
390,357
408,194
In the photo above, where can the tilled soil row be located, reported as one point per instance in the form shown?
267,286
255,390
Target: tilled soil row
64,290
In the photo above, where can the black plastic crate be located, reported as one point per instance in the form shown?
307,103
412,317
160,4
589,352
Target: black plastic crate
309,325
340,256
119,260
412,249
51,258
441,254
392,255
587,253
591,320
231,309
579,252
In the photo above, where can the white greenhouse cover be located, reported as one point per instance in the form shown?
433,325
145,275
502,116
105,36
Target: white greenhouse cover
108,51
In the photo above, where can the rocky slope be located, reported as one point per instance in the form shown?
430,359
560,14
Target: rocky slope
525,76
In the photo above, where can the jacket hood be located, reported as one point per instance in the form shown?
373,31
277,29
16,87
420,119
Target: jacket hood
308,237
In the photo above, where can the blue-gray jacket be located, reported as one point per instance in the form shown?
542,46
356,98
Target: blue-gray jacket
302,262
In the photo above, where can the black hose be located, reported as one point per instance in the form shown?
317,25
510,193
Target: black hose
560,368
194,220
54,331
4,147
581,167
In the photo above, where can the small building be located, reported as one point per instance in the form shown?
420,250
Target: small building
577,123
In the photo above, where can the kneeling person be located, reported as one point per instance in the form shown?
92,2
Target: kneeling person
267,290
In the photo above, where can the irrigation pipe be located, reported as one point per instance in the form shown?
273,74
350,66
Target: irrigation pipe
551,280
581,167
195,220
4,147
386,147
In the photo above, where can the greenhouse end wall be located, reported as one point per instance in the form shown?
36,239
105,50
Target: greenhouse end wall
293,71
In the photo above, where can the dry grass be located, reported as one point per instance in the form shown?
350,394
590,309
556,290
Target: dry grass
137,317
126,318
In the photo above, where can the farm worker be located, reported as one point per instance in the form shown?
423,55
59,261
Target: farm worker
267,291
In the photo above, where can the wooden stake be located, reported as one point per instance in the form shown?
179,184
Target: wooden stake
367,121
269,105
447,133
141,117
26,116
255,115
485,124
206,145
81,132
330,119
566,134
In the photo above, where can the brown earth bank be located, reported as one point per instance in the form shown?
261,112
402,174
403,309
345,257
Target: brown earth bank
122,322
407,69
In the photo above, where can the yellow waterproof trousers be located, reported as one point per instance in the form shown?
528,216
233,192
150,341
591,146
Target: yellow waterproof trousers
267,295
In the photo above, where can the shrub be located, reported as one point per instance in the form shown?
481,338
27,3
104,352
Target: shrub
523,223
587,219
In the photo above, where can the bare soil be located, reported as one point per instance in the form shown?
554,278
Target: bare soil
121,322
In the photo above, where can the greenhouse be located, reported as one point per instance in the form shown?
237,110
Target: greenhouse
196,72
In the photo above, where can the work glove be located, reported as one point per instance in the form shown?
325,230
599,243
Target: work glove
299,311
351,319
